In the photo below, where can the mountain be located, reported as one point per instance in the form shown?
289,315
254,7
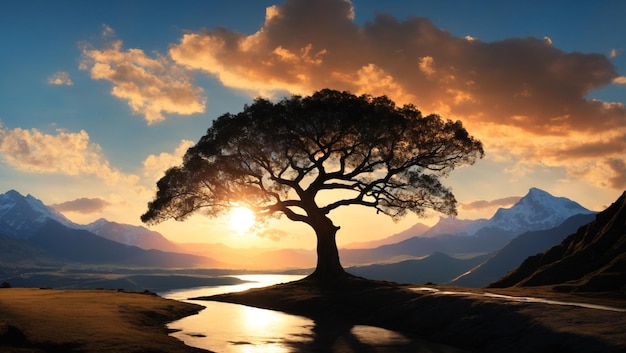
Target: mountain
131,235
83,247
592,259
33,233
517,250
416,230
537,210
21,216
437,268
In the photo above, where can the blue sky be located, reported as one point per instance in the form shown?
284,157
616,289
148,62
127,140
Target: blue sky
97,99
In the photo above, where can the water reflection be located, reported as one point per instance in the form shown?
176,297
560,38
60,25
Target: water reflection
232,328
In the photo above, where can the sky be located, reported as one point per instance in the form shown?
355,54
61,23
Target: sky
99,98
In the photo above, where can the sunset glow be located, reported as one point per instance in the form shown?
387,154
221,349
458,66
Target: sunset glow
240,220
95,111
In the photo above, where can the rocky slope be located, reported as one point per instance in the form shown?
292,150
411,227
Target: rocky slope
592,259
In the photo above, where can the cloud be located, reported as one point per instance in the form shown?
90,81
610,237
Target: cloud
523,97
60,78
64,153
272,234
82,205
152,86
618,178
480,205
620,80
154,166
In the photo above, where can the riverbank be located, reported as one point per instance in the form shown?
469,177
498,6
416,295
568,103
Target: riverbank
464,320
48,320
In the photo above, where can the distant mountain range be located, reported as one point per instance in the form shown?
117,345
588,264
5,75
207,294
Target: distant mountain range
131,235
537,210
591,259
437,268
32,233
416,230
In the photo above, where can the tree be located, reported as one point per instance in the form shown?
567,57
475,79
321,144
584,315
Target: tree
293,157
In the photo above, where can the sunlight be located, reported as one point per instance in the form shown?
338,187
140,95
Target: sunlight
240,219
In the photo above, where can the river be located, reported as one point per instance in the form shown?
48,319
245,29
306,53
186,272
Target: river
233,328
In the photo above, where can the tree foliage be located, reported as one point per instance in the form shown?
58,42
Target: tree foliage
281,158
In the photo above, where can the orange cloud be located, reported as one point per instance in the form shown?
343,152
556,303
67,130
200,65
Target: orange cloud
272,234
65,153
152,86
525,98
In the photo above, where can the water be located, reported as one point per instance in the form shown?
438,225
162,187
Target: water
233,328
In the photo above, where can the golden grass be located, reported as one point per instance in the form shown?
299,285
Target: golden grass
36,320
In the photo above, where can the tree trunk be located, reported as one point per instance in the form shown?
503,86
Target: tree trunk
328,265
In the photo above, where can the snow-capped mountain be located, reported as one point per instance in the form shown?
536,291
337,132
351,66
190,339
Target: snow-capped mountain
31,232
538,210
21,216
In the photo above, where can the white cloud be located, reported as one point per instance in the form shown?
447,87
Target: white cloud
63,153
151,86
60,78
154,166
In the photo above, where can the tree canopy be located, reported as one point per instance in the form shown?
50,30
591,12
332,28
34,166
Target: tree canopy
280,158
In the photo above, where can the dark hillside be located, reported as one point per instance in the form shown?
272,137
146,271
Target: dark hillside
592,259
517,250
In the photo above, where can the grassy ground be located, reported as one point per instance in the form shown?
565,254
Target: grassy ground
468,322
47,320
72,321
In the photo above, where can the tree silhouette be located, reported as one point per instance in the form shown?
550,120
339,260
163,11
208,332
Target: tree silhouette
304,157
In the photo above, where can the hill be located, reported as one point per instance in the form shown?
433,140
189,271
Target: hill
517,250
592,259
436,268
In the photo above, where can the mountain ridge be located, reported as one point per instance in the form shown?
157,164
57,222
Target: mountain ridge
465,241
518,249
31,232
592,259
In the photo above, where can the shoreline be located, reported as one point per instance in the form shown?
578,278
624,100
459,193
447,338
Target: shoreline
39,320
467,322
45,320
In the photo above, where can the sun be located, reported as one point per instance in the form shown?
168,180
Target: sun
240,219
